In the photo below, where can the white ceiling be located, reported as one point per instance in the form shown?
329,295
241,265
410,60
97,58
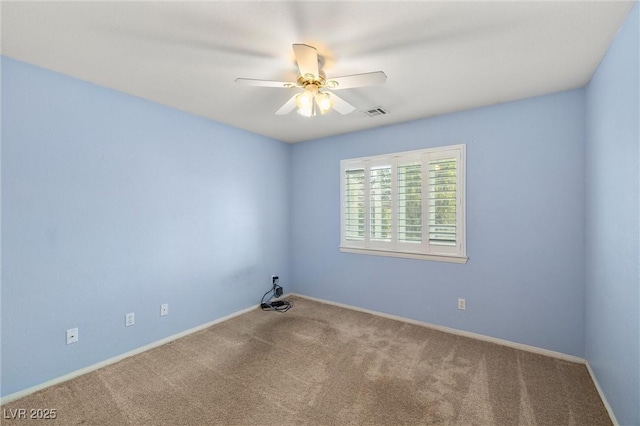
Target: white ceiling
439,57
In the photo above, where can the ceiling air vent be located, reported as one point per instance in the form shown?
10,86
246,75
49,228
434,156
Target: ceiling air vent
373,112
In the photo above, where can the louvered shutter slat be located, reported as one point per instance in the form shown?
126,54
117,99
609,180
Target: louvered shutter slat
409,183
380,203
354,205
442,202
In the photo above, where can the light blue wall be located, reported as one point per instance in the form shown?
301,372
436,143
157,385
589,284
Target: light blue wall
112,204
612,317
524,280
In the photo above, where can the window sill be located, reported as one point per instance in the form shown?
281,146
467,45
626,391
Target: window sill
419,256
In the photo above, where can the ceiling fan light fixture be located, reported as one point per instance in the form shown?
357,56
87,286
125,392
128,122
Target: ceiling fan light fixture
324,102
307,101
309,111
304,100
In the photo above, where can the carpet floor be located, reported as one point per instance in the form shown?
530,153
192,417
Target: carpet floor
320,364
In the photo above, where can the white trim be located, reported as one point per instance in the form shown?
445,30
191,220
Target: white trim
601,393
533,349
420,256
515,345
89,369
415,152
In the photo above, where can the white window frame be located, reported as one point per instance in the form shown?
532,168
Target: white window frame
395,248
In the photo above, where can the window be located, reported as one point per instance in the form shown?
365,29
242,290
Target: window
406,204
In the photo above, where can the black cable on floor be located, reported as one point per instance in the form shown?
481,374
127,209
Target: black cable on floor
281,306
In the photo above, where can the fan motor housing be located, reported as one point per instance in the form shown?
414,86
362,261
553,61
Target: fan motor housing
304,81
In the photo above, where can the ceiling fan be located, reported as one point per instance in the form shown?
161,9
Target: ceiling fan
313,100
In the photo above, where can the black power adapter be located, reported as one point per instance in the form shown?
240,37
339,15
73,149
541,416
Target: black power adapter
276,291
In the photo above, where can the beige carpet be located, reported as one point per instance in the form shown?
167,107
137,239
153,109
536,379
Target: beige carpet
320,364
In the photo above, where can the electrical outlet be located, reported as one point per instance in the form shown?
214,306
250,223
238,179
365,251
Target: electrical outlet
164,309
462,304
129,319
274,279
72,335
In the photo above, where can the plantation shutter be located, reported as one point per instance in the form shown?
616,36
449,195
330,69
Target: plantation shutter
443,196
408,204
355,204
409,182
380,202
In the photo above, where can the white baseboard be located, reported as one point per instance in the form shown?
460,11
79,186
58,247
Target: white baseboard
602,396
450,330
74,374
89,369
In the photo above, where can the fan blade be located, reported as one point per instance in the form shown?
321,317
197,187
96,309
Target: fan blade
357,80
289,106
264,83
340,105
307,58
